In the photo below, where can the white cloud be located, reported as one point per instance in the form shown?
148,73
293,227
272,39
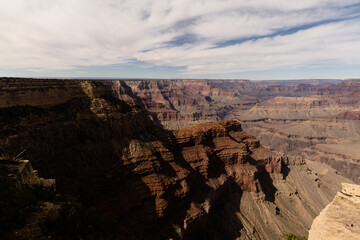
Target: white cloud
331,44
64,34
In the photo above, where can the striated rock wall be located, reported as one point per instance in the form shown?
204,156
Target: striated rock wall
294,108
341,218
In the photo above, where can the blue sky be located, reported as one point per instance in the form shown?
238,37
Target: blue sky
258,39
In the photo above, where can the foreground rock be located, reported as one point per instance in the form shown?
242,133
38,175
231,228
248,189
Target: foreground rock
341,218
21,200
22,173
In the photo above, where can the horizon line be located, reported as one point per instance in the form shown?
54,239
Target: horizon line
139,79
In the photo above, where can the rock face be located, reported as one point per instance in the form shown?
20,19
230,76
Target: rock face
211,181
341,218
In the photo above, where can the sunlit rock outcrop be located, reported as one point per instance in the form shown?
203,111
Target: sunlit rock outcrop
341,218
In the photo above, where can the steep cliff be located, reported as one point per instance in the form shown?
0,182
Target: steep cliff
208,181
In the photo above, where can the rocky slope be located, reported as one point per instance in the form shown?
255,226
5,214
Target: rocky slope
340,219
208,181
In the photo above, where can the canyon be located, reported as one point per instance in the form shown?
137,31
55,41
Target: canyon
168,159
316,119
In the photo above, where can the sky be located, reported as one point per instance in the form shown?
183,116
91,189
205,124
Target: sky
244,39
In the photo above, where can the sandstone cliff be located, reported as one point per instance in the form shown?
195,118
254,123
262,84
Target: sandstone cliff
341,218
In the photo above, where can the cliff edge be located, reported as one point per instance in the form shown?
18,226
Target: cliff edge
341,218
